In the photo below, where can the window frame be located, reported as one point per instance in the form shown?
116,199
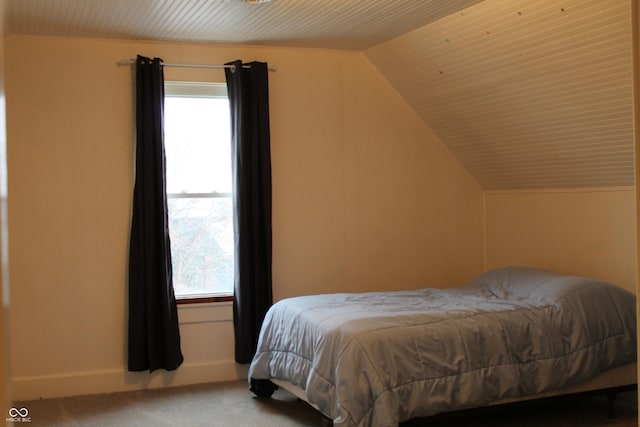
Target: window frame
198,90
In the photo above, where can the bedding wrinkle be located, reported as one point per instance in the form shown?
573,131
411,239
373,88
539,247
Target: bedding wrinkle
505,336
376,359
620,319
627,305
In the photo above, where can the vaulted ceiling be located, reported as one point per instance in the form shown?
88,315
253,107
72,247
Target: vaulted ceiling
526,93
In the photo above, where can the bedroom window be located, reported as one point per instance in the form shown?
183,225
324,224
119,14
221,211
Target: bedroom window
197,149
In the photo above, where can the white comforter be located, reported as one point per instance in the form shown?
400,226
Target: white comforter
377,359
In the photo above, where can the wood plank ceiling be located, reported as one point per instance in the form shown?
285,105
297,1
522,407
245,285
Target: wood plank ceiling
333,24
527,94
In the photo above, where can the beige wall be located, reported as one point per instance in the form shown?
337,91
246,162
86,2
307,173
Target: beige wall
365,198
587,232
635,22
5,390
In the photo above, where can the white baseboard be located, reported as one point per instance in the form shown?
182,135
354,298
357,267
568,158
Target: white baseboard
109,381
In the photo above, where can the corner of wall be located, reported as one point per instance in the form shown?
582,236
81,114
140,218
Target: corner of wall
5,393
635,31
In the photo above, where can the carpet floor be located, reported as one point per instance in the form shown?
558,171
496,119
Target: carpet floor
231,404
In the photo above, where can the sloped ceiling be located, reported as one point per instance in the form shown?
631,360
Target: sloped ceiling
526,93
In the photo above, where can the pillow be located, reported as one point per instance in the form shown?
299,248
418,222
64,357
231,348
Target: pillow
517,283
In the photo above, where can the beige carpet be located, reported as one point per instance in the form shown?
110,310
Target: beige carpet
231,404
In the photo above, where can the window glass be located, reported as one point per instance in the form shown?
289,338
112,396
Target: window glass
197,138
197,148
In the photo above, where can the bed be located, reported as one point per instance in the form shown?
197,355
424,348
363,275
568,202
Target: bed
380,358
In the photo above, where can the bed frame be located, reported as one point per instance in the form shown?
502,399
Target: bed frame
609,383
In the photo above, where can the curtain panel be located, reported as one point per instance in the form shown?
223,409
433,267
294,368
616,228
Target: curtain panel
154,337
248,91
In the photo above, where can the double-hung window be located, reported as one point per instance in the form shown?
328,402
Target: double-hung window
197,149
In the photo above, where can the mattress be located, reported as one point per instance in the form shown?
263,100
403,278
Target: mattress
386,357
618,378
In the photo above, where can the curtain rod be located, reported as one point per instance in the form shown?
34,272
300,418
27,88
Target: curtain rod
124,62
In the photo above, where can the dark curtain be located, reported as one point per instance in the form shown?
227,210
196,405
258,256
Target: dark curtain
154,338
248,89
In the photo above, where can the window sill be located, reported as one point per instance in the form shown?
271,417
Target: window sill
204,299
